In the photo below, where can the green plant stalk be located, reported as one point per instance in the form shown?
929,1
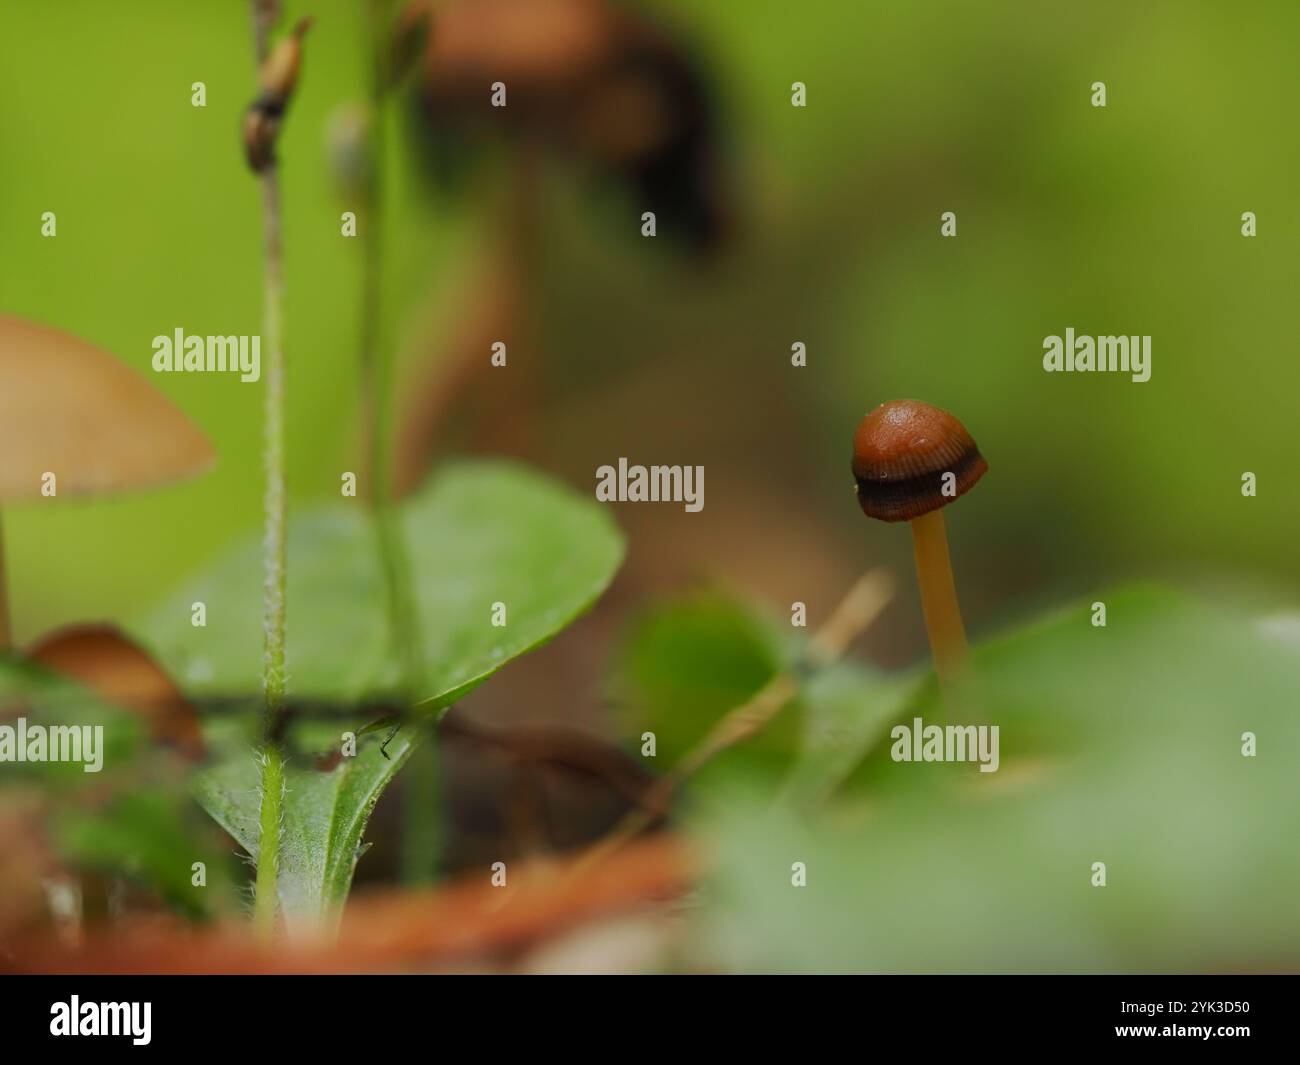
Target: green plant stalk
273,540
422,826
378,379
422,829
273,537
378,373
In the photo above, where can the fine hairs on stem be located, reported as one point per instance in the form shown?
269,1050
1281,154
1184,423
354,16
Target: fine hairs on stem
273,541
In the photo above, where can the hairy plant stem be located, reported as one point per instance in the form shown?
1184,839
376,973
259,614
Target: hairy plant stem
273,538
270,826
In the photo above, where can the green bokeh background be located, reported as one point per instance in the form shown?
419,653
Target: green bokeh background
159,226
1117,220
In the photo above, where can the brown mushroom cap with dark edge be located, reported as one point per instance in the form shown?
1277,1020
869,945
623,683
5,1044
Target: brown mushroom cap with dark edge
901,451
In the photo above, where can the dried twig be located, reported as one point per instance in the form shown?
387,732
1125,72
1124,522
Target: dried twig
463,922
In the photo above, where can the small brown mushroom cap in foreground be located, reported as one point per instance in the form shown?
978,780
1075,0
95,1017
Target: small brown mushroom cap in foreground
901,451
69,409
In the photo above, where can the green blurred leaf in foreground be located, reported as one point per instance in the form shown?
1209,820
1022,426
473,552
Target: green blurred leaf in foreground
1120,744
688,662
685,662
146,834
482,532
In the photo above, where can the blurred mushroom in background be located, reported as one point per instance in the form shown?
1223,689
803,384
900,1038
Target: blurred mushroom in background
591,80
74,421
604,89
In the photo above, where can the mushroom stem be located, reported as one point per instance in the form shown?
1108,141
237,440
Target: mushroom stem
4,597
939,595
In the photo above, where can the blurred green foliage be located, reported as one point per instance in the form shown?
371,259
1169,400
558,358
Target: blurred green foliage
684,663
151,836
1123,219
1121,745
159,226
131,817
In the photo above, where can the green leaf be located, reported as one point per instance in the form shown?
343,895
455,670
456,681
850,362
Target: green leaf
1120,744
490,531
480,532
325,814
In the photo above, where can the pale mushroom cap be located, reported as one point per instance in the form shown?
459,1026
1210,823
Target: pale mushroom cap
69,409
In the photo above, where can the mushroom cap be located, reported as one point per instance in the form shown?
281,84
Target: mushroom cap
901,451
102,659
69,409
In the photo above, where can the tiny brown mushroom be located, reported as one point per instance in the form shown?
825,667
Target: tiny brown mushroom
69,409
910,460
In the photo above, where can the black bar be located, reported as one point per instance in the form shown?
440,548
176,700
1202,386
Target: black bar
398,1015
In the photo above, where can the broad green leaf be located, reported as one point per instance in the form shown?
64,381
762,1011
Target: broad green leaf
479,533
482,532
488,532
325,813
1120,744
